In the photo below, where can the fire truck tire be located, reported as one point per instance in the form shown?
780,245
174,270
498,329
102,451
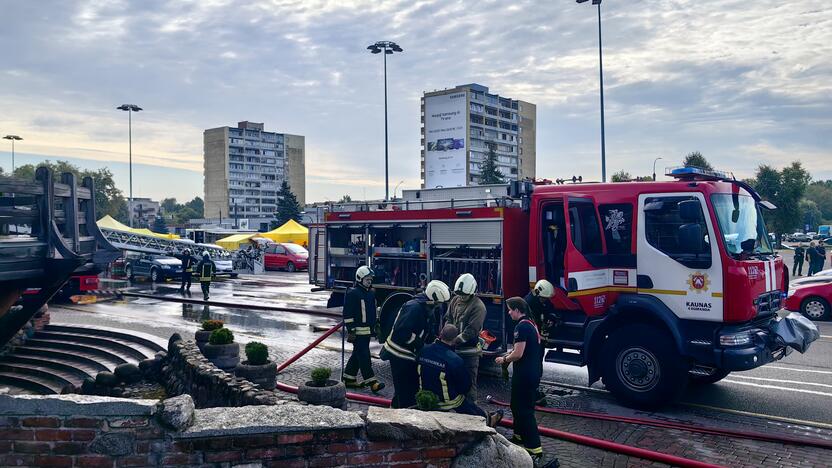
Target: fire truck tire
815,308
642,367
718,375
389,311
155,277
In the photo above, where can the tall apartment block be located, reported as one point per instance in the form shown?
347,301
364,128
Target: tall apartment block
244,168
460,125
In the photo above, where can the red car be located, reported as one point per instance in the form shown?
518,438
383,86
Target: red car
290,257
811,299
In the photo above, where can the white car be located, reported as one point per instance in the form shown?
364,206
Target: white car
822,276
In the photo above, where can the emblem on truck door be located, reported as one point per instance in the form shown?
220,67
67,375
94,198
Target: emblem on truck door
698,282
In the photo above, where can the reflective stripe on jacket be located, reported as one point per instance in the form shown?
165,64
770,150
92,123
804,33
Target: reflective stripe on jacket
443,372
360,311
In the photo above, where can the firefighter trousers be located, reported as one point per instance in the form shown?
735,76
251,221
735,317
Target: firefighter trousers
186,280
523,397
472,365
206,288
405,382
360,361
469,407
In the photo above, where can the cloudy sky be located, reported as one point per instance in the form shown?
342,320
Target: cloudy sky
744,82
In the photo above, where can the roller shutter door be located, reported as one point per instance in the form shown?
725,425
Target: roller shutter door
468,233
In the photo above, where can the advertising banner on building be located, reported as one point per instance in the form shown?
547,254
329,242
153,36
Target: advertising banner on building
445,140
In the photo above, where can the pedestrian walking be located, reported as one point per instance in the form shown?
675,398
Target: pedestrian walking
799,255
413,328
206,268
821,257
187,270
360,321
525,360
466,312
443,372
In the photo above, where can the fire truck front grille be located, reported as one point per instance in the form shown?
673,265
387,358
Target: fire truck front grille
768,303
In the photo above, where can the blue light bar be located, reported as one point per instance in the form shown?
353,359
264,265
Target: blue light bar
691,172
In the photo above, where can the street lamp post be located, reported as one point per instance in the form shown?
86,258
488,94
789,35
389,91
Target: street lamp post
388,48
601,80
396,189
654,167
130,108
13,138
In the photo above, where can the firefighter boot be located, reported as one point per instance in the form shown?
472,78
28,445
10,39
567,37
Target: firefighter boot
545,461
377,386
541,399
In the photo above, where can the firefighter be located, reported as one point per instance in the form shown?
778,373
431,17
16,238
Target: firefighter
545,316
205,268
360,321
187,270
525,358
467,313
799,255
443,372
414,326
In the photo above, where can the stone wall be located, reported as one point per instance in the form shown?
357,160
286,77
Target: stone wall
76,430
186,370
37,323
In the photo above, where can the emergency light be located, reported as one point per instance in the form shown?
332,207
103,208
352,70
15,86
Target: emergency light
692,172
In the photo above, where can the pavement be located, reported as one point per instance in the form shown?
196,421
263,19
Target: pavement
792,396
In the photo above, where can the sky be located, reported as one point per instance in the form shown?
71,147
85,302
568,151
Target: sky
744,82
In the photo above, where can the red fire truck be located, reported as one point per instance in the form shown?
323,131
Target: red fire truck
667,282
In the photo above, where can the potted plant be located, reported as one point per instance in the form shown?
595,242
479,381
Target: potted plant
321,390
257,368
208,326
221,349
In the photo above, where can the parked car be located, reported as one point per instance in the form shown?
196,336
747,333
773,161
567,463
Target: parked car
819,277
222,259
799,237
811,299
290,257
156,267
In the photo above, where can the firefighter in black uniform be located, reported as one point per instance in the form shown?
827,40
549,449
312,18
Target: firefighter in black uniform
442,372
414,326
545,316
205,269
524,381
360,321
187,270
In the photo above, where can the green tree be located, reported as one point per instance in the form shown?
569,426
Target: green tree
784,188
345,199
170,206
695,159
159,225
810,214
489,172
621,176
197,205
821,193
185,214
287,205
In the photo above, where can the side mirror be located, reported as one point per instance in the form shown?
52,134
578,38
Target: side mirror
689,210
691,238
572,284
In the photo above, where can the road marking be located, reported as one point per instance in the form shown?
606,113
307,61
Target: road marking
826,336
782,381
776,387
798,370
760,415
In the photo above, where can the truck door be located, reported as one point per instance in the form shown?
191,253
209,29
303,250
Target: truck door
586,268
678,262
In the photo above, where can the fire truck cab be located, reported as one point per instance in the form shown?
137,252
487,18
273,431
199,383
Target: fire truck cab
659,283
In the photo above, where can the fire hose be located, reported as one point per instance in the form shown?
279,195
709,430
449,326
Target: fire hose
548,432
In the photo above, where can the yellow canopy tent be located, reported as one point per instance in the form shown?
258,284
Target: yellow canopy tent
234,241
291,231
108,222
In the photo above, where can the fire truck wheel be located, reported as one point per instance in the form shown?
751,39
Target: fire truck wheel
154,275
815,308
642,366
718,375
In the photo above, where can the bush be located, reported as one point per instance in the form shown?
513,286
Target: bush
320,375
211,325
427,400
221,336
257,354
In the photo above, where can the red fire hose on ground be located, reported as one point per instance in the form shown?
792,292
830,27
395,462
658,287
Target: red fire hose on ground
548,432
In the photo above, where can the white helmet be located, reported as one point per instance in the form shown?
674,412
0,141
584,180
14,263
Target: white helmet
362,272
205,254
544,288
437,291
466,284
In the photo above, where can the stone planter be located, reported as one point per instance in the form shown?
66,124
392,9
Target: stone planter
226,356
201,337
263,375
334,394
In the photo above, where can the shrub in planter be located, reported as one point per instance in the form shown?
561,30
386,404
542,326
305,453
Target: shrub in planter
426,400
208,327
221,349
257,368
323,391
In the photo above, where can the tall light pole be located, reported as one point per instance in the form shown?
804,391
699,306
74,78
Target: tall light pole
601,79
654,167
388,48
397,188
130,108
13,138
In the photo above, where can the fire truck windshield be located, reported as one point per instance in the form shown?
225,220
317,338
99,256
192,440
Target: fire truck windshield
741,223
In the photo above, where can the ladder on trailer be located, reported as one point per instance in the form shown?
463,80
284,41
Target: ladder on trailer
124,240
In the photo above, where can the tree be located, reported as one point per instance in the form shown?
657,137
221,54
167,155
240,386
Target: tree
621,176
784,188
489,172
821,193
197,205
345,199
159,225
169,206
810,214
695,159
287,205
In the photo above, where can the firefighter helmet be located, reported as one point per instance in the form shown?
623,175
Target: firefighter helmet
437,291
206,255
187,252
544,288
363,272
466,284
